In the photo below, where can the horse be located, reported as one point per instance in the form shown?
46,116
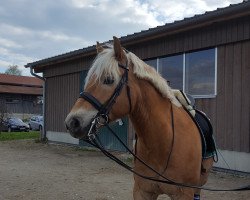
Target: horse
167,138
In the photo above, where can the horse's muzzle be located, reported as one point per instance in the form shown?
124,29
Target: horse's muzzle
74,126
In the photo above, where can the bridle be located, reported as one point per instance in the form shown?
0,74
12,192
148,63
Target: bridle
102,117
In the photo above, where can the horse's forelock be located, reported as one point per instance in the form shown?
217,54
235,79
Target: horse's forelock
104,65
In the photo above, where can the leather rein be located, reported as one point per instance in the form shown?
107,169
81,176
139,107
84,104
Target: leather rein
103,112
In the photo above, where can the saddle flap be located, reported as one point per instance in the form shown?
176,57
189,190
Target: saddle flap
206,131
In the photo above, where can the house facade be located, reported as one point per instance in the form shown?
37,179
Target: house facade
206,56
20,96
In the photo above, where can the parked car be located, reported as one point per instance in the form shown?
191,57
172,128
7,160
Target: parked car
14,124
36,123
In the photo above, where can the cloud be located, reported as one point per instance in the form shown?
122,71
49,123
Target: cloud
35,44
8,58
8,43
4,64
33,30
169,11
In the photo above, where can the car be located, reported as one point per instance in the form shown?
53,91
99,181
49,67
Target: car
14,124
36,123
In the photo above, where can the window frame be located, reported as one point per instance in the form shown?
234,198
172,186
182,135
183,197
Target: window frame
203,96
184,73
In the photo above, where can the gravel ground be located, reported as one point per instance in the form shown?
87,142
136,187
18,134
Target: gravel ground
30,170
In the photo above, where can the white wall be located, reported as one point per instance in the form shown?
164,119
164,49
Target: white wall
61,137
233,160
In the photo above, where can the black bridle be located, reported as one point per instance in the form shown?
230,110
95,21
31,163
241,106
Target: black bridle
102,117
103,112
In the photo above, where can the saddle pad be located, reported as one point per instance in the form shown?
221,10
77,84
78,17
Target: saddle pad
206,132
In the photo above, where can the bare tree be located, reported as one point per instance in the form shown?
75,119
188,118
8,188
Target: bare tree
3,113
13,70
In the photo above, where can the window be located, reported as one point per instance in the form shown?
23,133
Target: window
171,68
200,73
152,63
194,73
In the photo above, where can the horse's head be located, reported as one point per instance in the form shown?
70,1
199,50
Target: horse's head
114,87
106,94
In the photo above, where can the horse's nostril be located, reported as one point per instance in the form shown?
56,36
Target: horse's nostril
75,123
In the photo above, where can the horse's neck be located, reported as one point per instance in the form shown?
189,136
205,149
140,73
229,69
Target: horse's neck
152,122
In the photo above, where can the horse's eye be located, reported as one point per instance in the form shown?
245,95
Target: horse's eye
108,81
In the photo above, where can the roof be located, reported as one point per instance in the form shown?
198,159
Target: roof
10,89
20,80
20,85
221,14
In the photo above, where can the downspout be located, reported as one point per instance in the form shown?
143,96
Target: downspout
43,133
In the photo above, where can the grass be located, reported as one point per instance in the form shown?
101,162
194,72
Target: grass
4,136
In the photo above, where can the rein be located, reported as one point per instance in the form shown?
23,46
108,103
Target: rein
96,143
103,111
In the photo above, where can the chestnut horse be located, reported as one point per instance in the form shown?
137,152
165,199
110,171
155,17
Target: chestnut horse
173,151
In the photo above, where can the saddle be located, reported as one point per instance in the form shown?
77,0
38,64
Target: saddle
202,122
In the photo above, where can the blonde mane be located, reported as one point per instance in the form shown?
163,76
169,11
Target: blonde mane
144,71
105,64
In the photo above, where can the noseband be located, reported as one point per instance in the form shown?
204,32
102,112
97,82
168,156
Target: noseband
104,109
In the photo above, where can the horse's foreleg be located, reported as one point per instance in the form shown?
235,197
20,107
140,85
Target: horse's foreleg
185,194
140,194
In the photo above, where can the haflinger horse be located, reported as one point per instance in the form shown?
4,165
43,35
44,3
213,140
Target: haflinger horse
167,138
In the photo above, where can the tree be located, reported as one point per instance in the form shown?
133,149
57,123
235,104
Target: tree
13,70
3,113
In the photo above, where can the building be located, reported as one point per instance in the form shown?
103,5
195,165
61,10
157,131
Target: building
20,96
206,55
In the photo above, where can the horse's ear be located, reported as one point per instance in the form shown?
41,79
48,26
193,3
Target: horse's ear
99,48
119,54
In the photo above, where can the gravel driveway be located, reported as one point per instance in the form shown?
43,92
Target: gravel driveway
30,170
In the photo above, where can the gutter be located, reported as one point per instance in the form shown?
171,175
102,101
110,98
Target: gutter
43,133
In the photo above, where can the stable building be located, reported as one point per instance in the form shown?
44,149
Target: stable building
20,96
207,56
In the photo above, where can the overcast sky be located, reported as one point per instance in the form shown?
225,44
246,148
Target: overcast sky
31,30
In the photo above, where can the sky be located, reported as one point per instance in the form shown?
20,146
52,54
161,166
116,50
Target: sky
32,30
